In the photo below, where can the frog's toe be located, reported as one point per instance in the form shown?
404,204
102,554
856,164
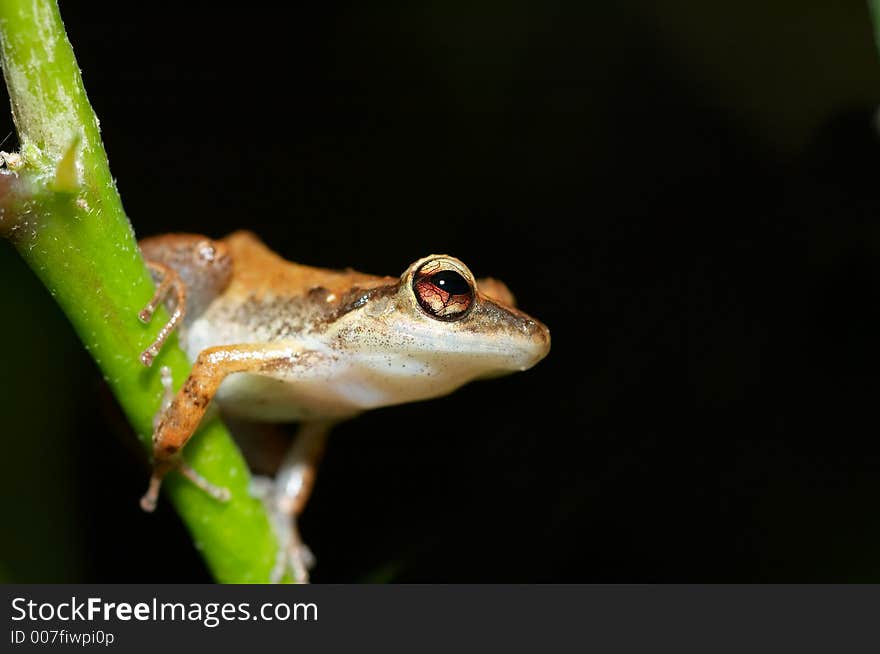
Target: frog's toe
261,487
170,283
293,556
301,560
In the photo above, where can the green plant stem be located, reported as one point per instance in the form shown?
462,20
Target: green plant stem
65,217
874,7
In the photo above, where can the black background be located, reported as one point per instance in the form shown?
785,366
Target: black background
683,192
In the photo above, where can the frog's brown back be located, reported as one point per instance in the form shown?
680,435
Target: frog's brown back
269,298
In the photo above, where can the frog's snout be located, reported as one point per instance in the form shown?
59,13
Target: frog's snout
519,340
540,339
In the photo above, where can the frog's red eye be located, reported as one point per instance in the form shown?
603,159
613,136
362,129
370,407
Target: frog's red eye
442,291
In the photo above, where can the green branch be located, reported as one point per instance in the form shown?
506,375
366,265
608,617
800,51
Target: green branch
60,207
874,7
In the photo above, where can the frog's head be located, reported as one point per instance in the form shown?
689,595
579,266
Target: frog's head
440,327
468,322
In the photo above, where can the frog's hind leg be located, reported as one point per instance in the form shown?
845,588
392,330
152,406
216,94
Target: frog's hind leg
169,282
299,468
286,497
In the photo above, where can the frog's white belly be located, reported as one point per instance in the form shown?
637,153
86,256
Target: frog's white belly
275,399
335,389
322,382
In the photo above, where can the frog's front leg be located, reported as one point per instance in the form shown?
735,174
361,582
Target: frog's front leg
182,416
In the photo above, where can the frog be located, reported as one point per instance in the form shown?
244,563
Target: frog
272,340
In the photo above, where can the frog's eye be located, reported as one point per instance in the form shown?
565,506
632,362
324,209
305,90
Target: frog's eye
442,290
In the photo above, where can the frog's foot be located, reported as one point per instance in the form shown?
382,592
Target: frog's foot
169,281
293,555
289,493
163,465
162,468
